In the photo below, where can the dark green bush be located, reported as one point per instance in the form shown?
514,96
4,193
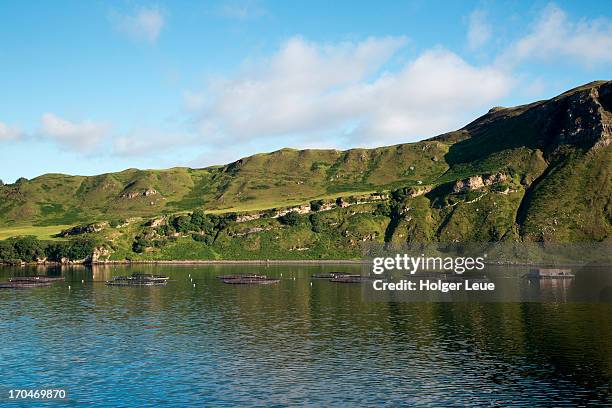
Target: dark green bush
383,209
80,248
316,223
140,244
116,223
316,205
7,252
182,223
198,220
28,248
292,218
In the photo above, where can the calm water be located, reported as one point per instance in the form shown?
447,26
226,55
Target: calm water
293,344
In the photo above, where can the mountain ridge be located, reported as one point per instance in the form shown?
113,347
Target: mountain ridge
495,109
550,161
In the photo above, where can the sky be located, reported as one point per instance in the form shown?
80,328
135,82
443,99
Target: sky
89,87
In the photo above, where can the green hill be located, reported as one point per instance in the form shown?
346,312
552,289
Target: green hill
535,172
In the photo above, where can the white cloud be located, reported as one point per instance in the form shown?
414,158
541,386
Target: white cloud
8,132
308,90
554,36
145,24
430,95
479,31
149,141
81,136
283,94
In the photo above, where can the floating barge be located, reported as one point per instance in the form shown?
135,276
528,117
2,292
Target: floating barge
24,285
241,276
28,282
40,279
332,275
139,279
351,279
550,273
339,277
247,279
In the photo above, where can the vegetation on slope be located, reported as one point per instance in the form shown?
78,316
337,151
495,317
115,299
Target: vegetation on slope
539,172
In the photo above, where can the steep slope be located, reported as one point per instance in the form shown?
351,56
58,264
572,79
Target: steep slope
560,151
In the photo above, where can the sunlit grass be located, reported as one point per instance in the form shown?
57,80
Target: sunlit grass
46,232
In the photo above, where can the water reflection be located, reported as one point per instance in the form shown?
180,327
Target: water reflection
295,343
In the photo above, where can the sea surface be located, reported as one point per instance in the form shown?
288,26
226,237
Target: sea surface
298,342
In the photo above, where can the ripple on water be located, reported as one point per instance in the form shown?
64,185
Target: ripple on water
293,343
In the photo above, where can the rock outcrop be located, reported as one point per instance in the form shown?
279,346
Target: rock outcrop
135,194
478,182
248,217
100,255
83,229
157,222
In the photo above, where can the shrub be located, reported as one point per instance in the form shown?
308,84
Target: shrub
116,223
398,195
230,217
198,219
269,213
80,248
383,209
28,248
500,187
7,252
166,230
316,205
73,250
315,222
140,244
292,218
182,223
56,251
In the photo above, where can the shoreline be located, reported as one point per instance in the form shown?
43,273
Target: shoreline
235,261
199,262
256,262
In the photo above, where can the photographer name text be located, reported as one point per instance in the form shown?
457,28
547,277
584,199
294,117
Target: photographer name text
433,285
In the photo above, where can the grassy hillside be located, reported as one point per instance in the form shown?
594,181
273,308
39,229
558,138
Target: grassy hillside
541,171
262,181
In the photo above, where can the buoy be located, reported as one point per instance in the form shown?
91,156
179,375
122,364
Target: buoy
82,280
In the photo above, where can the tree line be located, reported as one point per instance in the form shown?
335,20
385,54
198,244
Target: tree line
31,249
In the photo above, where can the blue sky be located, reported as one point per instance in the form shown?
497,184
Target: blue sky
91,87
